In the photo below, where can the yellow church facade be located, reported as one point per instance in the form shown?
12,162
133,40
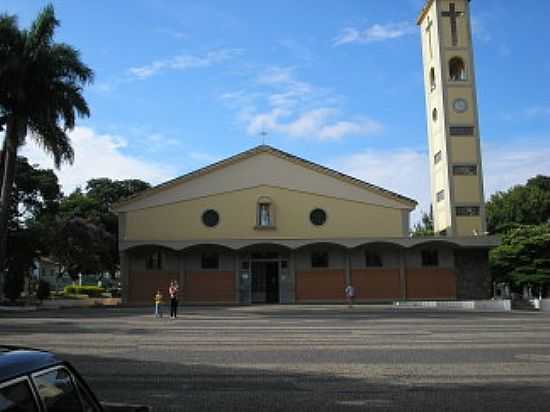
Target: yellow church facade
265,226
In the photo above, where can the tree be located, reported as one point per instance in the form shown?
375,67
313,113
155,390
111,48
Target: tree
41,86
523,258
35,199
36,192
527,204
81,246
86,230
13,286
43,291
426,226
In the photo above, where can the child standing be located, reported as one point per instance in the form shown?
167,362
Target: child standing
158,302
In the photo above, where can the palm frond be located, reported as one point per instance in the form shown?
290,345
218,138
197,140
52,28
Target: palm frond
42,82
42,29
69,65
53,140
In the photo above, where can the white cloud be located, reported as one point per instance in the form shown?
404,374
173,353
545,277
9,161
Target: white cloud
282,104
316,123
403,171
514,163
406,171
98,155
375,33
184,62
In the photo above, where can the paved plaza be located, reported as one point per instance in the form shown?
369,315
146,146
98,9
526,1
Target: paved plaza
296,358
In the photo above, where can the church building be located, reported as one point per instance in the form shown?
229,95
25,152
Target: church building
265,226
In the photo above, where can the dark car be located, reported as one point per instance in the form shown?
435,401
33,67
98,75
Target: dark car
35,381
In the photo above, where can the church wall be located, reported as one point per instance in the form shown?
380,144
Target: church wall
463,149
461,274
337,257
192,260
209,287
466,189
376,284
468,225
237,210
390,256
445,253
263,169
431,283
320,286
138,259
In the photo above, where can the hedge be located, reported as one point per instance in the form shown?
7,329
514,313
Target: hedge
91,291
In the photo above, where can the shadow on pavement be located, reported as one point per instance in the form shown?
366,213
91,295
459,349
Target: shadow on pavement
174,386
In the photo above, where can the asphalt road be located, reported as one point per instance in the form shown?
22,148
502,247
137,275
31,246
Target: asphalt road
295,358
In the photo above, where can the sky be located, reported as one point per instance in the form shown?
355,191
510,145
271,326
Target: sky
181,84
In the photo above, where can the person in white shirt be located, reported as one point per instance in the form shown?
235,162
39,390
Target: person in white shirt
350,294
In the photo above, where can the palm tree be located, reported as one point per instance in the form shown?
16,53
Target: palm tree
41,85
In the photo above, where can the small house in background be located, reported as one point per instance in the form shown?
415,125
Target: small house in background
51,271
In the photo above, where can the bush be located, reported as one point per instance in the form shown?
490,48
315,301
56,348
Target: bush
43,291
13,286
91,291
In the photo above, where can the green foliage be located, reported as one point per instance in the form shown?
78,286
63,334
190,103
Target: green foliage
523,258
521,205
86,230
43,291
91,291
426,226
41,92
81,246
35,198
41,82
13,285
37,191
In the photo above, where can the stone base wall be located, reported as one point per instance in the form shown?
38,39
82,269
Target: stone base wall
473,276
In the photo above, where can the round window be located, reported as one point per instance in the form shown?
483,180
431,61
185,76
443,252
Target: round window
210,218
318,217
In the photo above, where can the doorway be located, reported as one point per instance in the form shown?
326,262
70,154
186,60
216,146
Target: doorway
265,282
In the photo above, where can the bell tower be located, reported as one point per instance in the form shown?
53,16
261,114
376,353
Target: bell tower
453,123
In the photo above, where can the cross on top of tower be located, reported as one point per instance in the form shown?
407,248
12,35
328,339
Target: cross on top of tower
453,14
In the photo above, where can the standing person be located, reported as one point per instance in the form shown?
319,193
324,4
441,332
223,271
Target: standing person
173,292
350,294
158,302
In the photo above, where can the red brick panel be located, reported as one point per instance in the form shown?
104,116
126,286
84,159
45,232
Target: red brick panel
376,283
431,283
213,287
320,285
142,286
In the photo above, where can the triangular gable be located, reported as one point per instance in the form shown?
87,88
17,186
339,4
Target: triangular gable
264,165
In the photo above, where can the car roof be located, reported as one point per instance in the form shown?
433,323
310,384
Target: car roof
16,361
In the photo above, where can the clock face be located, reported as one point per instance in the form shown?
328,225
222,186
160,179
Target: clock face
460,105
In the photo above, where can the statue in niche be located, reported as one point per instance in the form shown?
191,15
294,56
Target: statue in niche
265,215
